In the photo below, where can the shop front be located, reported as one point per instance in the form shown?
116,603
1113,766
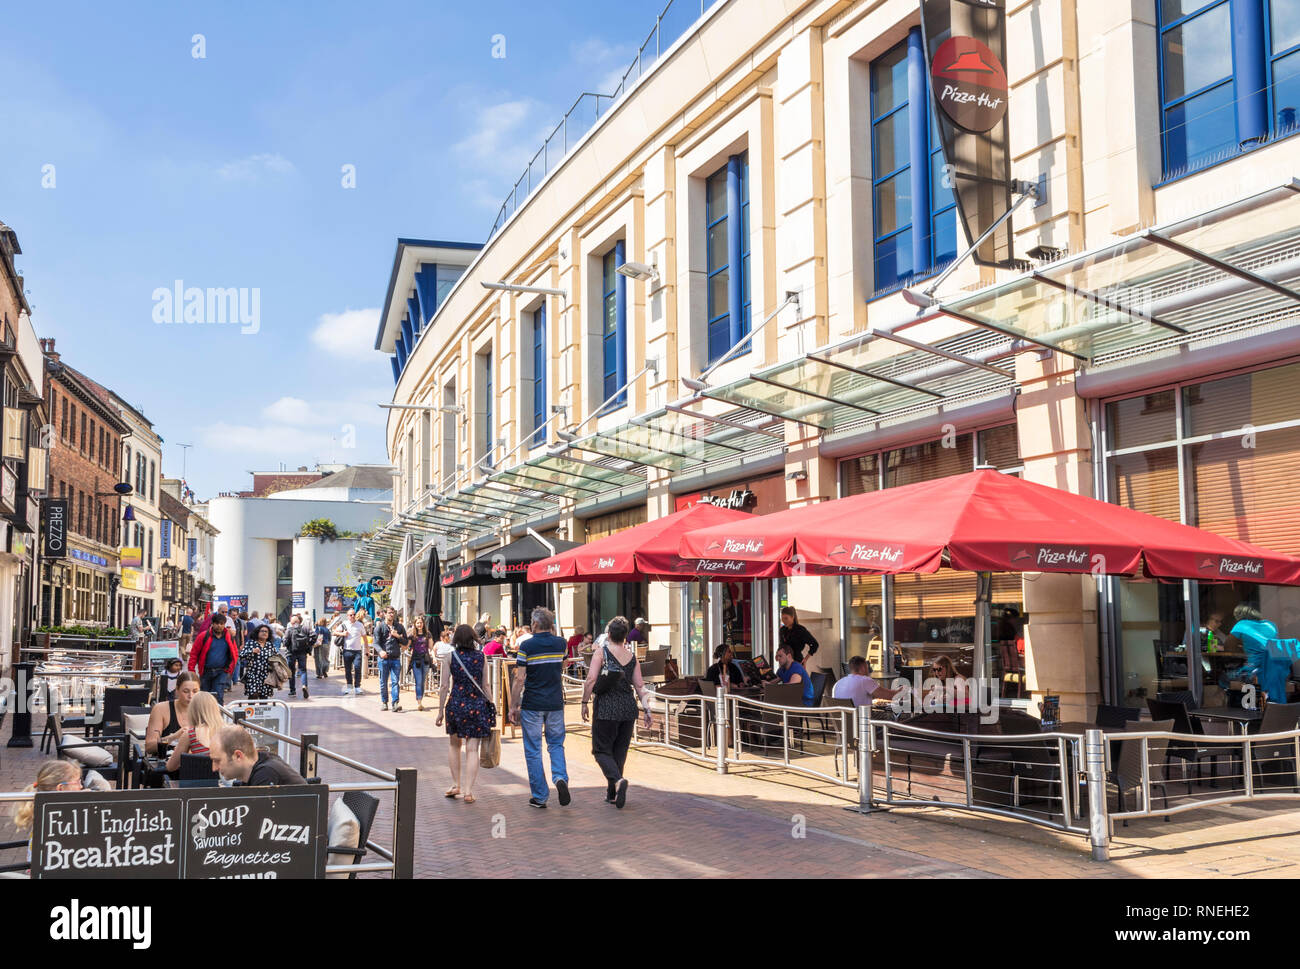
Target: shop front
737,611
82,587
605,600
500,576
1222,454
901,623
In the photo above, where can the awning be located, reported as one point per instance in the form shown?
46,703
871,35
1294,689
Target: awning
643,551
1235,264
985,521
503,565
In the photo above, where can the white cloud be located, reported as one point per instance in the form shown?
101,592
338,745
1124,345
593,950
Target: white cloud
348,334
497,142
289,410
611,60
277,439
251,168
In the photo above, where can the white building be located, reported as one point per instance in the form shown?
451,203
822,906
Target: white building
141,460
261,553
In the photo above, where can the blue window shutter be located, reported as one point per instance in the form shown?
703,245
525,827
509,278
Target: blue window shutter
413,311
397,374
735,296
620,303
401,353
918,97
1251,69
426,291
408,335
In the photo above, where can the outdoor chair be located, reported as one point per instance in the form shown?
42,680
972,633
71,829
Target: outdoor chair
1187,751
1177,696
49,698
65,745
652,668
1114,718
196,771
117,697
1127,772
782,695
364,806
1278,718
851,727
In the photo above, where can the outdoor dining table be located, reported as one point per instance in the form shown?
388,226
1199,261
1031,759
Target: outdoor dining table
1240,718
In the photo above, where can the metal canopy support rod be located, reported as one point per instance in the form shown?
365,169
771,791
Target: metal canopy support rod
985,325
765,410
946,354
1110,304
875,376
1219,264
791,296
613,435
725,422
810,393
943,276
553,484
687,437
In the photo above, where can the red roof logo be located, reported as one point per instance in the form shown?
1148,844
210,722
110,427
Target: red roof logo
970,61
839,550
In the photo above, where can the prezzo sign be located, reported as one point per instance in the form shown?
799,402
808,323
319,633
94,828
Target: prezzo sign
1231,567
1049,558
56,528
211,832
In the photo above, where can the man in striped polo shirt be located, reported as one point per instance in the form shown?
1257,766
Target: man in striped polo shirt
537,704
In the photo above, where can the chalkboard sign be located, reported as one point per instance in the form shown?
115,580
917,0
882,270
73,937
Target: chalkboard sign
209,832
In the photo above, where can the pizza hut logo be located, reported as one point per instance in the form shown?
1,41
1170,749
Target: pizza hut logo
1049,557
870,554
970,84
1231,567
748,546
719,565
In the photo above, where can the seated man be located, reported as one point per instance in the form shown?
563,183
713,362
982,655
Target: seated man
725,665
859,687
788,671
236,758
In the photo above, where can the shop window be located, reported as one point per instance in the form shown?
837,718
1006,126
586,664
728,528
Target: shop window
1146,481
1139,421
1223,656
934,615
1242,402
1152,628
861,475
1244,487
1218,99
914,234
925,462
1000,447
726,248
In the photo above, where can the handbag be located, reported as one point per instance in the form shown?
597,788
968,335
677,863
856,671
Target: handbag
610,679
489,752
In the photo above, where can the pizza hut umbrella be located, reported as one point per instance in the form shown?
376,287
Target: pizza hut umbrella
985,522
648,551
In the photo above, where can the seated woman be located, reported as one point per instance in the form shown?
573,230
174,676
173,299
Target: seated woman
205,720
725,667
1255,633
167,721
54,775
946,690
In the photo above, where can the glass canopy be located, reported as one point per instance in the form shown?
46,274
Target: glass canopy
1231,264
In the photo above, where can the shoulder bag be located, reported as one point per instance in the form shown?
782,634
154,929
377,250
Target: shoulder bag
611,676
489,752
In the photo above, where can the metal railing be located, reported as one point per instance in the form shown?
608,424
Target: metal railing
673,22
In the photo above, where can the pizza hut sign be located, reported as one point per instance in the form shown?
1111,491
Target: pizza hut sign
970,84
719,565
870,554
1063,558
1231,567
731,546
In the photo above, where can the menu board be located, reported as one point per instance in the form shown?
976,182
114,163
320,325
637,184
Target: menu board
198,832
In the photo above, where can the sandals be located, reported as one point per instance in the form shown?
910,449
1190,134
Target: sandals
452,792
470,799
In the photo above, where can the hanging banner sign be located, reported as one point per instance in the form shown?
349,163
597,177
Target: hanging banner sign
56,528
966,42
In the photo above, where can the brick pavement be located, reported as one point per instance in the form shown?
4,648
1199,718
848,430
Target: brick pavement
685,820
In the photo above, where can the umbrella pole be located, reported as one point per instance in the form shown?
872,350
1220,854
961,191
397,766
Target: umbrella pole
983,616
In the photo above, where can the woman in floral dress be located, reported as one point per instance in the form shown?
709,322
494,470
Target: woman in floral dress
257,664
465,709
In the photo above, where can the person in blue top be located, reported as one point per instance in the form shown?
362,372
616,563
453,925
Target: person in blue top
788,671
1256,633
537,704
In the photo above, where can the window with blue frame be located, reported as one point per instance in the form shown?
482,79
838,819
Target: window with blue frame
489,430
1229,78
539,376
726,246
914,210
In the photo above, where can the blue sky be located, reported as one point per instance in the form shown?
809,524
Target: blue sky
226,171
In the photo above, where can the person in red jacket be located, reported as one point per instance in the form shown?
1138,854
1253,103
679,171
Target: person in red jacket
214,657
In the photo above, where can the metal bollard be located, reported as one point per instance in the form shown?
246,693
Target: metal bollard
21,699
404,823
720,727
1094,743
866,746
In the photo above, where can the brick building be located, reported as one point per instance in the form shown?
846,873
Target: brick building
85,464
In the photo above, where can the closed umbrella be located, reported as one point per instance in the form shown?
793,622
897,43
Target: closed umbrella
406,579
433,594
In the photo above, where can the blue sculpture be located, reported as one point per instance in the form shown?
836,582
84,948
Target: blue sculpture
365,593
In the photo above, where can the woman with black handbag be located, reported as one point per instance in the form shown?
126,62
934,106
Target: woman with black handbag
468,712
614,676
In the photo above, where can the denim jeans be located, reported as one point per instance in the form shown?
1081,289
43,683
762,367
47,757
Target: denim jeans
215,682
418,672
390,671
534,723
352,663
298,662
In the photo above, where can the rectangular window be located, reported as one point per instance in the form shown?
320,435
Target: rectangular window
449,418
63,422
540,402
486,398
726,249
81,445
1218,96
896,125
92,440
609,331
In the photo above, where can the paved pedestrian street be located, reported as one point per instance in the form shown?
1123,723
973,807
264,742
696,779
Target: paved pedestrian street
684,820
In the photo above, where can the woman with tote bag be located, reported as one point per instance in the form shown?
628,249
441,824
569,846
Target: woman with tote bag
463,702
